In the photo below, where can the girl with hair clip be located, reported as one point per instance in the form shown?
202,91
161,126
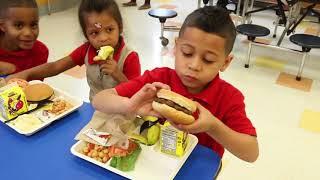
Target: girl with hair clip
101,23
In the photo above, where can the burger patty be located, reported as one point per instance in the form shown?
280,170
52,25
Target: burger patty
173,105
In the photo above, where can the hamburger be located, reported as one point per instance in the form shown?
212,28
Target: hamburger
38,92
175,107
104,53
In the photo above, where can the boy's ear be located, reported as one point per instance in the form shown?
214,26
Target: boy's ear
227,62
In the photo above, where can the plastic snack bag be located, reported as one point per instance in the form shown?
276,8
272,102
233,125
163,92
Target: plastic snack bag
12,101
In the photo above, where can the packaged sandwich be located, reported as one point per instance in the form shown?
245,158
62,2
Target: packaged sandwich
12,101
172,140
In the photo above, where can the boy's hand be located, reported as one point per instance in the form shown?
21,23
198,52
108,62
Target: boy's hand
204,123
20,75
7,68
141,102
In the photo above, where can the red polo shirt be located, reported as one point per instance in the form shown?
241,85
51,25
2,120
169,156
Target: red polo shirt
222,99
26,59
131,66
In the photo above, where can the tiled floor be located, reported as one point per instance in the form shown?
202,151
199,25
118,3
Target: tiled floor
286,116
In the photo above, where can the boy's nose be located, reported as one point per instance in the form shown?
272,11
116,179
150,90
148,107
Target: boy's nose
27,32
195,64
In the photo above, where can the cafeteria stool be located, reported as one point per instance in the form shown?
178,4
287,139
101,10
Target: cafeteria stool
163,15
251,31
307,42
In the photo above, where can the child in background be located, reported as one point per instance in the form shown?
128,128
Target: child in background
146,4
101,23
202,50
19,30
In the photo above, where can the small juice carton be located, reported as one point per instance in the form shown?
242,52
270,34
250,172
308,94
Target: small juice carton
12,101
172,140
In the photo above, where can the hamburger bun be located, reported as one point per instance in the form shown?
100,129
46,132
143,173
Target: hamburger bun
38,92
175,107
21,82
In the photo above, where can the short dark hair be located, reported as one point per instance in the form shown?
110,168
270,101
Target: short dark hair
215,20
6,4
88,6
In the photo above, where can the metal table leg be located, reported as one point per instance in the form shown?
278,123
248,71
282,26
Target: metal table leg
49,7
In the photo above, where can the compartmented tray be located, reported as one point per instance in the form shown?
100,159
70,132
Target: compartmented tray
45,121
151,163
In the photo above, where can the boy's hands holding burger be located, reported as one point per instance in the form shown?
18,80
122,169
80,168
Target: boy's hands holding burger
141,102
205,122
183,113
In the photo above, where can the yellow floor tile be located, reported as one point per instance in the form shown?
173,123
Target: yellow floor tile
259,40
310,121
77,72
289,80
312,31
269,63
163,1
168,6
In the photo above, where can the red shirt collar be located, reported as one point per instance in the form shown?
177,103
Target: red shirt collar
207,95
20,53
116,55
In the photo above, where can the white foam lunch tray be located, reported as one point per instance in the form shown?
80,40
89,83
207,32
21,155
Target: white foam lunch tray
151,163
75,102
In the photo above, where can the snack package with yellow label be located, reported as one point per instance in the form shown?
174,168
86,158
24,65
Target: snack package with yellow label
172,140
12,101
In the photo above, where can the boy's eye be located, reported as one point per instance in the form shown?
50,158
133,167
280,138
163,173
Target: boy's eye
207,61
34,25
187,54
18,25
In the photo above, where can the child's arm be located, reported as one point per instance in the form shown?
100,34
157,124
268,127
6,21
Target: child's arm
45,70
110,67
6,68
241,145
108,101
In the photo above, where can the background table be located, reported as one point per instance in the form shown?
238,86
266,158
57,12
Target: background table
46,154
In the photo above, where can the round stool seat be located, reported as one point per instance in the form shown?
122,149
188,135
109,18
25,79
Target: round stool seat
162,13
253,30
306,40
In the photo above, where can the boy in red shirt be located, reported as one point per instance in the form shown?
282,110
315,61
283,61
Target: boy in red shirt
101,23
19,30
202,50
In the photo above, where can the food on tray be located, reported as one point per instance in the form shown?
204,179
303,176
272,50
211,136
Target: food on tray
38,92
12,102
59,106
104,53
150,131
125,160
122,159
97,152
21,82
175,107
172,140
26,122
